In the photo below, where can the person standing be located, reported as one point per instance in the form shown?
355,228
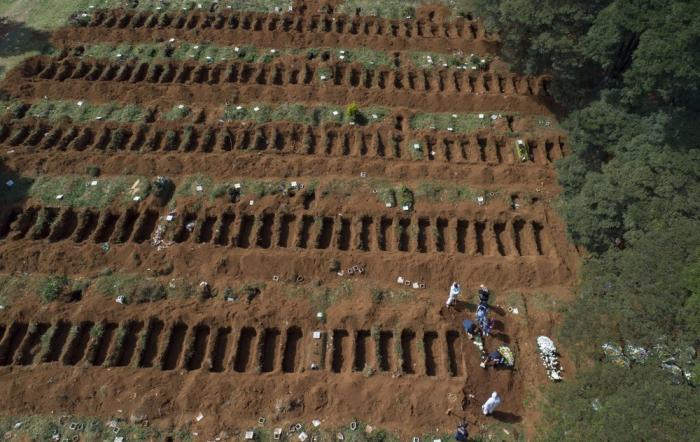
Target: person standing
483,295
455,290
462,434
491,403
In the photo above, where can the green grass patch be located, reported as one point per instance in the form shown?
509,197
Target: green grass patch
137,288
12,287
400,9
79,111
76,190
438,192
43,428
297,113
184,51
52,287
178,112
209,53
380,295
191,185
461,123
416,149
321,298
430,60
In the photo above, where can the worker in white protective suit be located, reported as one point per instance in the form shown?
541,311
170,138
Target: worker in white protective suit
491,404
455,290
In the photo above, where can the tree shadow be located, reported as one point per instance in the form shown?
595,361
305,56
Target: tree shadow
14,188
504,416
17,38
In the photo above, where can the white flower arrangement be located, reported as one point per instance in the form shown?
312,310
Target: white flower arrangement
550,357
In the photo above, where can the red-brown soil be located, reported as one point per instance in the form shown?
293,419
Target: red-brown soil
237,361
289,30
290,79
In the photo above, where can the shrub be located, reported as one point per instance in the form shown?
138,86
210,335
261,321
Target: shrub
352,112
93,171
52,287
163,188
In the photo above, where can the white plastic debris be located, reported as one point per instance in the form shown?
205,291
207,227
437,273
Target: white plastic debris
9,183
342,52
256,108
137,198
450,129
303,436
454,115
375,116
121,299
481,116
199,417
319,315
93,183
59,197
199,188
493,117
181,106
388,204
399,279
250,435
342,57
335,112
316,422
416,146
169,218
236,49
323,77
171,40
119,439
415,285
251,202
480,200
317,335
237,186
195,47
406,207
80,103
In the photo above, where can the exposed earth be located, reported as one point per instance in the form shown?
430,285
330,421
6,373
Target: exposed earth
383,353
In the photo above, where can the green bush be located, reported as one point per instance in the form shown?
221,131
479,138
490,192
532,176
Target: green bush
52,287
351,111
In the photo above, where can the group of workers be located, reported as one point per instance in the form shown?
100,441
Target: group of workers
477,330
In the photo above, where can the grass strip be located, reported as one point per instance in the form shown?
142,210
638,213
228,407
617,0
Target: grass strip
74,190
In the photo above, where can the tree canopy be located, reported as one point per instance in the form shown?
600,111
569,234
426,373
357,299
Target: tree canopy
628,75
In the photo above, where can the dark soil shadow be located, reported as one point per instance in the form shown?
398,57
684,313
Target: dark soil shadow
504,416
